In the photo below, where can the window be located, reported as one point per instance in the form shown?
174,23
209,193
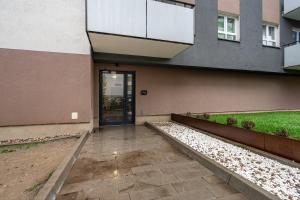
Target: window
227,27
270,35
296,35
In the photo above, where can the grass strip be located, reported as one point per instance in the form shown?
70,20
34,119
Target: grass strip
268,122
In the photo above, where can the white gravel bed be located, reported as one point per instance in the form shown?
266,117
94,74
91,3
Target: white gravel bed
274,177
37,139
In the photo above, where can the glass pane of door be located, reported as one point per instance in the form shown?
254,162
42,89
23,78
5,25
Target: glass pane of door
112,98
130,97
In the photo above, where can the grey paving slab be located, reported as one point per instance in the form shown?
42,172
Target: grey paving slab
135,163
200,194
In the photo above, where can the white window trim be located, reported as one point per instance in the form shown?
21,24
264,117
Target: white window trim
267,39
237,27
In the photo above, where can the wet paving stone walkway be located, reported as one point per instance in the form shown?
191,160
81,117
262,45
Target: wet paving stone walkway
136,163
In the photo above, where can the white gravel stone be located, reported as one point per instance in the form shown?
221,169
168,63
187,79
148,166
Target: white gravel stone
274,177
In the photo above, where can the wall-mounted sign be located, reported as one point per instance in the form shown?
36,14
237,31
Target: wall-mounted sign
144,92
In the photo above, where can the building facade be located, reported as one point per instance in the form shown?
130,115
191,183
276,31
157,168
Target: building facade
71,65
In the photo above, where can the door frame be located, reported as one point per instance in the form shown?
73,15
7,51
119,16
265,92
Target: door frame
101,109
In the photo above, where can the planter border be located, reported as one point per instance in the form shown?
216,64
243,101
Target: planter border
282,160
249,189
56,181
280,146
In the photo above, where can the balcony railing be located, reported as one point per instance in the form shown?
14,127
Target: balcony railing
292,9
170,22
144,24
291,56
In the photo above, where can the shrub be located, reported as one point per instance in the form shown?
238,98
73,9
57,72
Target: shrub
206,116
248,124
231,121
282,133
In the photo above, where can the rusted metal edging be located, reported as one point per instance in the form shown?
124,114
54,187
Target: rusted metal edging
252,149
249,189
284,147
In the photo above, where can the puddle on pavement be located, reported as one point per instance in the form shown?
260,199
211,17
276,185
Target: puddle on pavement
162,192
89,168
137,158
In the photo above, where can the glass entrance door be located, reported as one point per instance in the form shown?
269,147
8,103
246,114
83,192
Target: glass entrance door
116,98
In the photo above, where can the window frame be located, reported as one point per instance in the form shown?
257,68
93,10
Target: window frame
297,31
225,32
266,40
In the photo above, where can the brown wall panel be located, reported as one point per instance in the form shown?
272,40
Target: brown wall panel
188,90
271,11
229,6
44,88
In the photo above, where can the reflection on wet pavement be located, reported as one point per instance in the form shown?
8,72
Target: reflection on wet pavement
133,162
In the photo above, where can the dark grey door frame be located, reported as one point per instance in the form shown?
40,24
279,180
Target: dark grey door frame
125,99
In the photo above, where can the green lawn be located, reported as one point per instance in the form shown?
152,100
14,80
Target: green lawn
268,122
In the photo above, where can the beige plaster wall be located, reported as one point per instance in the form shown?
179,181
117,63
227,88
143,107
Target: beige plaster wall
194,90
271,11
229,6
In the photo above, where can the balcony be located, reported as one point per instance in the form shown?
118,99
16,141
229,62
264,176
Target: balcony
140,27
291,56
292,9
